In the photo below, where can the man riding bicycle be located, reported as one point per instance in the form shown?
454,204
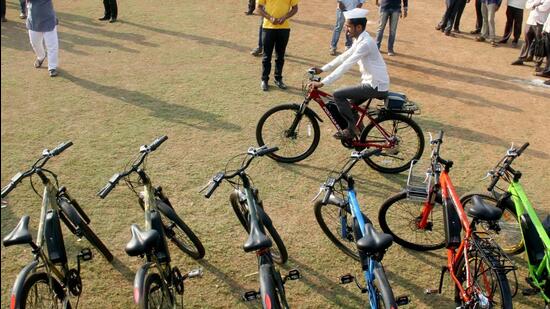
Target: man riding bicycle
375,81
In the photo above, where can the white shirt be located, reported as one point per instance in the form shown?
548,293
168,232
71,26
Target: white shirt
539,13
365,53
518,4
546,27
350,4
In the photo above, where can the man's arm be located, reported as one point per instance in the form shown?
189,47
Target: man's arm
338,60
341,6
544,7
264,14
350,60
288,15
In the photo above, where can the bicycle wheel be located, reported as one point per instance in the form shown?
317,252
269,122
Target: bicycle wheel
509,238
490,288
179,233
384,293
37,292
273,130
399,217
409,142
153,295
278,252
335,221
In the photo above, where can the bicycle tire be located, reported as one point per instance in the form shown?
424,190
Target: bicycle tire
384,292
390,122
42,278
280,255
280,139
509,223
268,291
179,233
408,225
95,241
153,284
497,277
349,247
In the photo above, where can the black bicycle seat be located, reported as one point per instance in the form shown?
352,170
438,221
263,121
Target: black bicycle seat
256,240
373,241
141,242
482,211
20,234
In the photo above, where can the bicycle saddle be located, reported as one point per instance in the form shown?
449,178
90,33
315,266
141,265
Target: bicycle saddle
141,242
256,240
373,241
480,210
20,234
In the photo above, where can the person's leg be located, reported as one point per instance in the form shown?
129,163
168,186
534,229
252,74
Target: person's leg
452,10
107,12
538,36
381,27
479,17
491,9
280,48
518,22
485,22
268,37
546,71
460,10
394,19
337,29
3,9
37,43
114,9
508,25
356,94
529,36
52,44
251,7
23,8
260,42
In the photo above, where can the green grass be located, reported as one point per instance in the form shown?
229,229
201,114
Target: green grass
182,68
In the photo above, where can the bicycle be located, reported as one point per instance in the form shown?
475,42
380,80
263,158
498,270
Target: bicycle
521,229
156,289
251,214
353,233
295,128
477,265
49,280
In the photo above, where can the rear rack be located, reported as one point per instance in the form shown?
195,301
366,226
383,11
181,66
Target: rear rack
418,186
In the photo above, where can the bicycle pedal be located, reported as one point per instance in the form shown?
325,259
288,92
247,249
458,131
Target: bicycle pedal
347,278
251,295
195,273
293,274
85,254
529,292
402,300
431,291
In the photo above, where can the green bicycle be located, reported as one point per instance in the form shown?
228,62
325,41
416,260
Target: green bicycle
519,228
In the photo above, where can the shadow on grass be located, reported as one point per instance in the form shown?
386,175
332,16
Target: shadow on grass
124,270
160,109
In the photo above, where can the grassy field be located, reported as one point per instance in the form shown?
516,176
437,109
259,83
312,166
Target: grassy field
182,68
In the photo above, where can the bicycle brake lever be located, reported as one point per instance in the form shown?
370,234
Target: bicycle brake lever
321,189
431,137
207,185
4,203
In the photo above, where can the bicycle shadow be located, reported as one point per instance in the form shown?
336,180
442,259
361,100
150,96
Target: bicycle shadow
124,270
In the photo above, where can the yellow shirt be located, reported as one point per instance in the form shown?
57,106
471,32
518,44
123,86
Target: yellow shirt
277,9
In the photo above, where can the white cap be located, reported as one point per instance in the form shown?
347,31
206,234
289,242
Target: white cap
356,13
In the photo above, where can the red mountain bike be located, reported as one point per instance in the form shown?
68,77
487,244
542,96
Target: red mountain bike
295,129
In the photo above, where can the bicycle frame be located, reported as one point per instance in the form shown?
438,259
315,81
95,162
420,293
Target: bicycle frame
522,204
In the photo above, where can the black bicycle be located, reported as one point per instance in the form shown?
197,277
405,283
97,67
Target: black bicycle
156,289
48,281
251,213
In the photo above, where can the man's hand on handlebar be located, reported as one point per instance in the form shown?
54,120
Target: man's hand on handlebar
316,70
314,85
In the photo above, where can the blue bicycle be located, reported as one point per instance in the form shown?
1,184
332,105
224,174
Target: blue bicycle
341,219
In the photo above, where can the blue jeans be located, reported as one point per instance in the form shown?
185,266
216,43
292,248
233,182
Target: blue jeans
260,43
340,19
393,16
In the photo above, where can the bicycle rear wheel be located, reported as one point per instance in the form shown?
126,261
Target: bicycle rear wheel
153,295
509,238
273,130
408,138
399,217
37,292
384,293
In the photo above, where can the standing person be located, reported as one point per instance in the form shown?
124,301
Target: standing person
343,5
488,10
375,82
460,9
42,25
533,30
3,9
22,9
446,23
258,51
111,11
479,18
251,7
275,35
514,17
390,9
546,37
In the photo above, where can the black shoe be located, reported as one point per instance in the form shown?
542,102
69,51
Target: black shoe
256,52
517,62
264,85
113,20
53,73
280,84
248,12
104,18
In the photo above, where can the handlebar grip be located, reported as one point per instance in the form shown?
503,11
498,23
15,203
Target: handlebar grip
211,189
106,190
267,151
7,189
493,183
156,143
59,149
522,148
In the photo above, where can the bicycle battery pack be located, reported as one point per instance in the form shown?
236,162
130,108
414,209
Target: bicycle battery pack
54,238
161,248
533,243
335,113
451,223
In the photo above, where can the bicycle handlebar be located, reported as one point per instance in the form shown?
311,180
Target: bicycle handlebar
156,143
510,156
62,147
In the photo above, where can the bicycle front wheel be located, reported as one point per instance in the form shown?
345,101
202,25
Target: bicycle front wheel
274,129
384,293
407,139
180,234
399,217
154,297
509,237
37,292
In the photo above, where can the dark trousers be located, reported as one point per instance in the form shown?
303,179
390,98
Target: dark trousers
514,17
274,39
459,10
449,16
111,9
356,95
531,33
479,16
3,8
251,6
547,47
23,6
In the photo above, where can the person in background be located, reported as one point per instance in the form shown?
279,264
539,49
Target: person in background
546,38
514,19
460,9
479,18
488,10
258,51
392,10
22,9
343,6
446,23
275,35
3,9
42,25
251,7
111,11
533,30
